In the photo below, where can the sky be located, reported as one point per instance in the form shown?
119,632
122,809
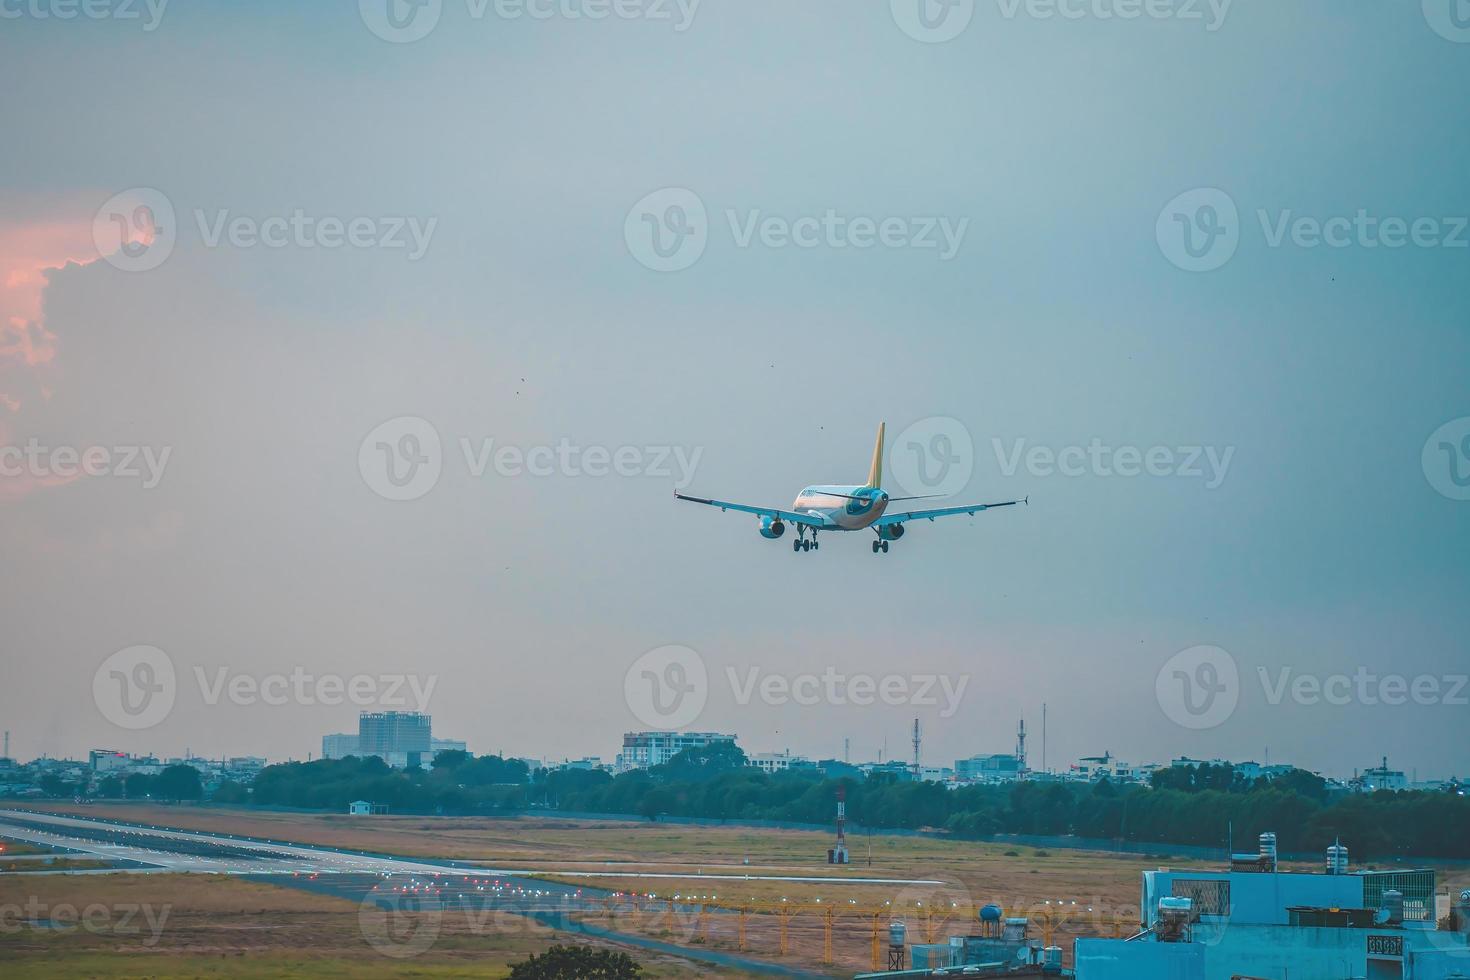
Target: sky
385,333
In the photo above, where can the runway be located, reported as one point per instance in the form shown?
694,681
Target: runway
170,849
383,885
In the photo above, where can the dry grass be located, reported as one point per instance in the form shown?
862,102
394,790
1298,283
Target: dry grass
1067,893
166,926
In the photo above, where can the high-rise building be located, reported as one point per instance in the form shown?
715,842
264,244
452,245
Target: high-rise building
642,750
339,746
399,738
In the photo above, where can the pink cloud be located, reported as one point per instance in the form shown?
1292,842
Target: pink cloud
29,252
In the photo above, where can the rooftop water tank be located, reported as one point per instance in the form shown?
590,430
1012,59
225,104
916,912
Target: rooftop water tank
991,913
1393,906
896,931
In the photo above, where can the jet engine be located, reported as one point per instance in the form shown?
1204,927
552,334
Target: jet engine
771,527
890,532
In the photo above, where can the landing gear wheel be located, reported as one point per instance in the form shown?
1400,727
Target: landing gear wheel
815,545
885,547
875,546
796,545
806,546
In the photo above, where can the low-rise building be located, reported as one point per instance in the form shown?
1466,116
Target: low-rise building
643,750
988,769
771,762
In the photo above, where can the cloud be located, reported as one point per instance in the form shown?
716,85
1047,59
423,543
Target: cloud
30,251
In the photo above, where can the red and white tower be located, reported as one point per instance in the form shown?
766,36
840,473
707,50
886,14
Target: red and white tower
837,853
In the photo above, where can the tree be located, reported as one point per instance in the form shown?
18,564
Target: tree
54,785
178,783
577,963
231,792
702,762
111,787
450,759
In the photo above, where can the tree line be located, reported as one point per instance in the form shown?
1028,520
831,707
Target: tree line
1199,805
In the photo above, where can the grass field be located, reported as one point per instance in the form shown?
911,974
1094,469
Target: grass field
167,926
1067,893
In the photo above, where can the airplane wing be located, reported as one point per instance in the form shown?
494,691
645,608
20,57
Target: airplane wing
786,515
915,515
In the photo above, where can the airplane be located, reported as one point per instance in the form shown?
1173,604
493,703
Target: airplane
841,508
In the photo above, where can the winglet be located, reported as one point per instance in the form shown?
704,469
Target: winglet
875,471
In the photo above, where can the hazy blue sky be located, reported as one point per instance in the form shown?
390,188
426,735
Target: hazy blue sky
520,145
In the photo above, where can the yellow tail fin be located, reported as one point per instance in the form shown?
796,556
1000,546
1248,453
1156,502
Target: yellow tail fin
875,471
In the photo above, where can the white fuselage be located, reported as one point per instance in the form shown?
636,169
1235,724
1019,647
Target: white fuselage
842,508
